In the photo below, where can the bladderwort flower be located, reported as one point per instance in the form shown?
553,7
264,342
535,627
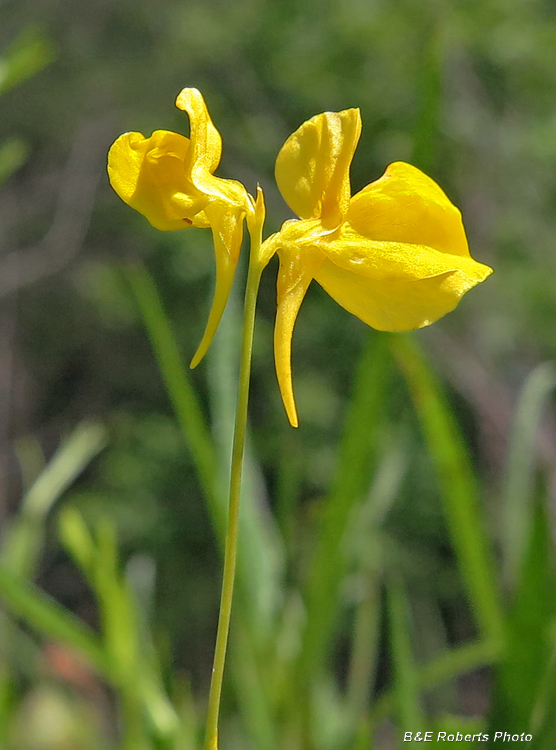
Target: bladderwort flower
170,180
395,254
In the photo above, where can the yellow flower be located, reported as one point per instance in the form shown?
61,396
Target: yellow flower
395,254
170,180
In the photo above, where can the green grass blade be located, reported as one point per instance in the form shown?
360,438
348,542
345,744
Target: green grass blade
366,543
77,539
23,543
431,638
259,542
13,154
353,476
289,464
117,610
543,719
73,456
427,132
458,484
251,692
519,678
329,564
520,474
181,392
134,671
406,683
442,669
365,649
161,714
28,54
25,601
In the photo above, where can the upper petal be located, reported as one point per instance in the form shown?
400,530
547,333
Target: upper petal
206,143
149,174
405,205
205,152
312,168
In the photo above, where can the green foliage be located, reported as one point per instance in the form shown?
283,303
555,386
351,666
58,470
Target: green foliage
518,501
23,541
28,54
267,673
460,491
13,153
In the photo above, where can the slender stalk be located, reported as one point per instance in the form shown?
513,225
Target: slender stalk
230,552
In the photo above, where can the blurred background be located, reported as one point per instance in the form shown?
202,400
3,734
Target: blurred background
407,524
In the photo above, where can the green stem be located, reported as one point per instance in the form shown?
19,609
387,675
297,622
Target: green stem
230,552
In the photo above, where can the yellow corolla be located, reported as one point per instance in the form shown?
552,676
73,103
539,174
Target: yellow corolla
395,254
170,180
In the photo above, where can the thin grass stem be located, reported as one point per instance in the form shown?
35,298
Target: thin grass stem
230,552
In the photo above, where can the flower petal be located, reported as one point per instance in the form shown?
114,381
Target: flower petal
312,168
227,232
386,261
206,143
148,174
405,205
298,264
411,292
205,152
